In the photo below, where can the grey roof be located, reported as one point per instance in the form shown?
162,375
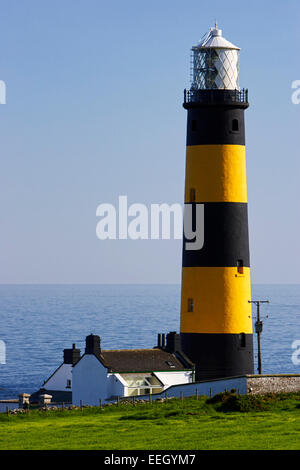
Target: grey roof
143,360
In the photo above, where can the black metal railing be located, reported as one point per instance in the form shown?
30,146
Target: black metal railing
216,96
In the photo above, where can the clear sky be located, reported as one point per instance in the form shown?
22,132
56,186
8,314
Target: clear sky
94,111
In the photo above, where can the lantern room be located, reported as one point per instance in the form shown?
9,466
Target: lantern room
215,63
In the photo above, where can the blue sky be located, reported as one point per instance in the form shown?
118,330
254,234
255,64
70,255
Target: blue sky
94,111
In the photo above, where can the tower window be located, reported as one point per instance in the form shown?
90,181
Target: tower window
240,266
68,383
242,340
190,305
194,125
193,195
235,125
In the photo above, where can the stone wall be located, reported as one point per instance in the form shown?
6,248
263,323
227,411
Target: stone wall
260,384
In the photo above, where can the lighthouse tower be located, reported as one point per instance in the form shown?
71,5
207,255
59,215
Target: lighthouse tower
216,321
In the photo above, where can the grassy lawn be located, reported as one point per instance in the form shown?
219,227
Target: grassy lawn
271,422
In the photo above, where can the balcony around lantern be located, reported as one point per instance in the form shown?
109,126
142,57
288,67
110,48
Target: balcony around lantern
215,97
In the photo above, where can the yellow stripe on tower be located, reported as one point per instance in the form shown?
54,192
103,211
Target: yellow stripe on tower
220,298
217,173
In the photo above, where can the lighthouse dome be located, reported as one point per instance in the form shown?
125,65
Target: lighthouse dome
214,39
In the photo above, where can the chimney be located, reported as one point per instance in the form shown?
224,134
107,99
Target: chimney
24,399
45,399
92,344
173,342
71,355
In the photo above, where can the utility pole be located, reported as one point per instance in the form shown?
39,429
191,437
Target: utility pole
258,328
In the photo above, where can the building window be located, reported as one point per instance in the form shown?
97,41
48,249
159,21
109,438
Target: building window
193,195
69,383
142,384
194,125
242,340
190,305
240,266
235,125
170,364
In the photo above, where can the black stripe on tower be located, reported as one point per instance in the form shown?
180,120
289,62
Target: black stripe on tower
216,117
215,126
219,355
226,238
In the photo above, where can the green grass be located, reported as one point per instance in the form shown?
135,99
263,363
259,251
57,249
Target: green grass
269,422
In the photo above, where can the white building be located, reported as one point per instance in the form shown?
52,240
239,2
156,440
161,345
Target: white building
108,374
59,384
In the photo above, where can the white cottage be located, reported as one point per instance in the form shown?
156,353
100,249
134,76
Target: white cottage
108,374
59,384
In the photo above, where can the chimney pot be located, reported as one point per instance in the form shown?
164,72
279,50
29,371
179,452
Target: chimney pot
71,355
92,344
173,342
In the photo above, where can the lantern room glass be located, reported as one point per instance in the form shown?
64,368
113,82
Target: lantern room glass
215,68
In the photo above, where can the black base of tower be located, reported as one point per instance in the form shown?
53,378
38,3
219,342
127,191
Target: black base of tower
219,355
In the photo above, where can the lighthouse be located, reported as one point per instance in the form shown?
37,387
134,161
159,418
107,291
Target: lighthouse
216,319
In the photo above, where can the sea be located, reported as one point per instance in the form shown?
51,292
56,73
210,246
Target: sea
38,321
